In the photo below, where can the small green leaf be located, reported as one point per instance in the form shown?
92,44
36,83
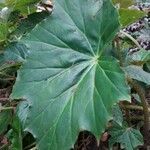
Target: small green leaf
3,31
5,119
128,137
128,16
26,7
15,135
137,73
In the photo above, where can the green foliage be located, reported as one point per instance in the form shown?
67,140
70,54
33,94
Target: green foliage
27,24
117,115
128,137
24,6
124,3
10,13
5,120
137,73
15,135
17,52
69,86
128,16
4,31
69,81
4,13
141,57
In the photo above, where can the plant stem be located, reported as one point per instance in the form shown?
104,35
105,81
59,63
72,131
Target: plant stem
7,79
4,99
134,107
117,40
137,118
137,87
32,145
6,108
131,38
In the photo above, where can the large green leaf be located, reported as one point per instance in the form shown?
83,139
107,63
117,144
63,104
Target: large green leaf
128,137
69,86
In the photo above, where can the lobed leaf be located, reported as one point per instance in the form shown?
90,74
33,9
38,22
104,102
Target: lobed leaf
128,137
69,86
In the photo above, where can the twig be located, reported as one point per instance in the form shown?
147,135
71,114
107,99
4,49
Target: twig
3,90
137,118
4,99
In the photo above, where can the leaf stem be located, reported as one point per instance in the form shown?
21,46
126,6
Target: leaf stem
6,108
31,146
138,88
133,107
137,118
131,38
118,47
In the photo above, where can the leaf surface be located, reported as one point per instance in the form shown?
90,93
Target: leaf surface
128,137
137,73
139,57
15,135
69,86
5,120
129,16
117,114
